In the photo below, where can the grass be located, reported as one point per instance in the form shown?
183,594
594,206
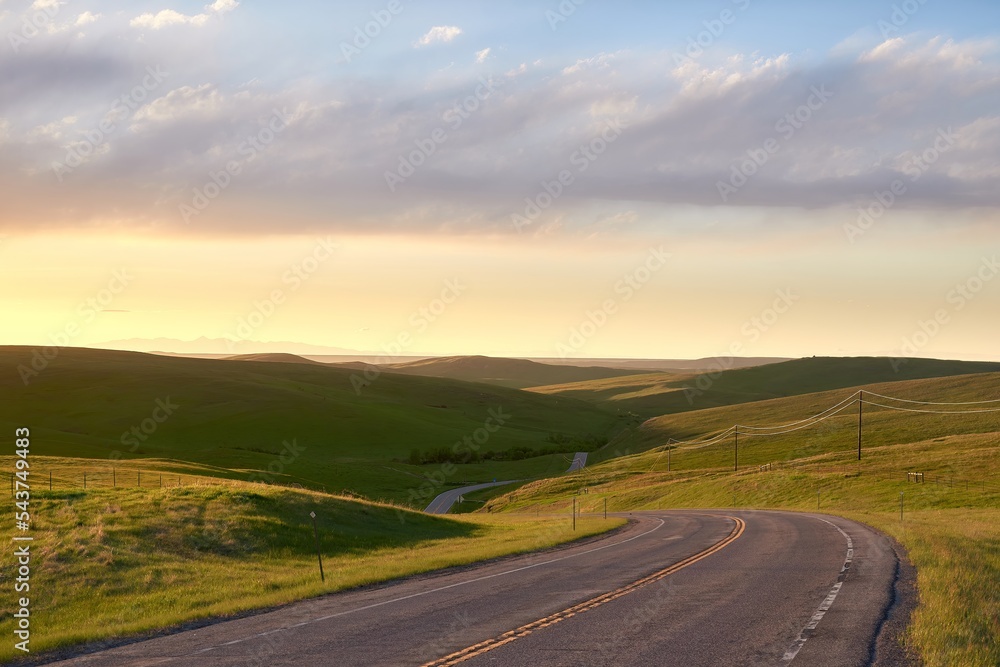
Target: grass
663,393
302,423
836,434
643,394
950,524
109,563
515,373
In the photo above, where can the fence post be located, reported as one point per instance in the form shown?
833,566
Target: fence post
319,554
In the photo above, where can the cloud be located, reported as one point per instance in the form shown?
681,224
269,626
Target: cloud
169,17
86,18
685,128
54,131
185,102
223,6
166,18
440,33
481,56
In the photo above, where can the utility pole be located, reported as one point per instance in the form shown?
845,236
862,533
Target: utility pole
736,450
861,403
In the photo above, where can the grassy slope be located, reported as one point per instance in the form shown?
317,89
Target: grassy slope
836,434
643,394
949,529
658,393
237,414
114,562
516,373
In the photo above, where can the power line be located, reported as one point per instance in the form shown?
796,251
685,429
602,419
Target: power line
697,444
817,417
832,411
906,400
933,412
799,428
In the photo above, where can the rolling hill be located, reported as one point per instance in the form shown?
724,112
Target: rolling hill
279,357
517,373
297,422
658,393
703,365
882,426
945,520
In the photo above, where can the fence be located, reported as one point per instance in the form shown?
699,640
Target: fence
62,479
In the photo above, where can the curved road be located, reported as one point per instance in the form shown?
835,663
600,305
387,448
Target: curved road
673,588
443,502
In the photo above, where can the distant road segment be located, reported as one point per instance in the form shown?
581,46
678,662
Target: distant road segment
579,462
443,502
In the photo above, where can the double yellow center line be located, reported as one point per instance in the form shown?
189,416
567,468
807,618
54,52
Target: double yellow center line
525,630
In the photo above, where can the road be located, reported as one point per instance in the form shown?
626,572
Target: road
673,588
442,503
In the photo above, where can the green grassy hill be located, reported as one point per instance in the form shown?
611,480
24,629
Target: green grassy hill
659,393
644,394
305,423
839,433
949,528
517,373
273,356
111,563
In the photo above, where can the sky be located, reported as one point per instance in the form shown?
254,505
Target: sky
574,179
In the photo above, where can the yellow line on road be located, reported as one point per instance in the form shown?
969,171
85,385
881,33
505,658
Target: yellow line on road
525,630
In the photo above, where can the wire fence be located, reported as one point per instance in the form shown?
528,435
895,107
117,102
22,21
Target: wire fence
76,478
888,474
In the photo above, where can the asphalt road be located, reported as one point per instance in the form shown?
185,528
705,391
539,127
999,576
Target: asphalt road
442,503
579,462
673,588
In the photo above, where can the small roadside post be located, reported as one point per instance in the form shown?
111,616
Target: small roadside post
605,508
319,555
574,513
900,505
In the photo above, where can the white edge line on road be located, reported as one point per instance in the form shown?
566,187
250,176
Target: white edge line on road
420,594
824,606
